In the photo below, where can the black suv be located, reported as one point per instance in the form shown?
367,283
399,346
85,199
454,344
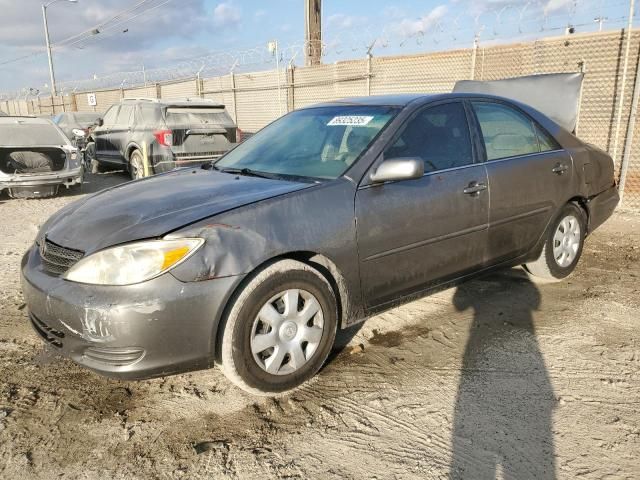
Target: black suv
175,132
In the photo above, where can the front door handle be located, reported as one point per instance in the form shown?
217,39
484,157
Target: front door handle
474,188
560,168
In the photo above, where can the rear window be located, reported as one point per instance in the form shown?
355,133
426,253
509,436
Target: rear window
86,117
30,135
198,116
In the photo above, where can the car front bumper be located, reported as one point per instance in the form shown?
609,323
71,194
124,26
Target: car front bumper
155,328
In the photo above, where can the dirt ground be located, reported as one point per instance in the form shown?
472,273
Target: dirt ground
500,378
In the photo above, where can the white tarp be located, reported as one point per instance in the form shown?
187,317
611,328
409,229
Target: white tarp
557,95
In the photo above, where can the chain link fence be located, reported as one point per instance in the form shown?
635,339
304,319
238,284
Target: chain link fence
255,99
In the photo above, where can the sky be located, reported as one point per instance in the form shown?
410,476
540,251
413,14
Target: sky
176,35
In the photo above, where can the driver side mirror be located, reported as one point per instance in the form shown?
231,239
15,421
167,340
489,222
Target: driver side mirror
394,169
100,122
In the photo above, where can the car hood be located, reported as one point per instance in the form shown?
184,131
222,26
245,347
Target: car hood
155,206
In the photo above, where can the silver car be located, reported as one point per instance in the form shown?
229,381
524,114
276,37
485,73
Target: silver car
328,215
36,158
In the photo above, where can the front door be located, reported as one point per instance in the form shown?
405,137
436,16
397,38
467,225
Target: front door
530,178
120,132
418,233
104,149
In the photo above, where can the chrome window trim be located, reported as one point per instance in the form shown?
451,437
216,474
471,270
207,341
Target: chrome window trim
524,156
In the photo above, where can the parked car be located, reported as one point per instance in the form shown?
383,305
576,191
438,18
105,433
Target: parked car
36,158
330,214
70,121
177,133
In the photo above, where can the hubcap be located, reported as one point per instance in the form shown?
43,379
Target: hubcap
287,332
566,241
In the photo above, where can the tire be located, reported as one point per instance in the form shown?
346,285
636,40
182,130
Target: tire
90,160
561,251
136,165
259,348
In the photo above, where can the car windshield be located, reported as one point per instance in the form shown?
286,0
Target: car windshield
320,142
30,134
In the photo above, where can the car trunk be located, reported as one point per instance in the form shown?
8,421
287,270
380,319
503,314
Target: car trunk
200,132
32,160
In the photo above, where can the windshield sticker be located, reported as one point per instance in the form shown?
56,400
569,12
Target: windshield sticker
350,120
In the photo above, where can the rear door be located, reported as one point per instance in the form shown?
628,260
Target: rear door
104,149
529,174
199,133
418,233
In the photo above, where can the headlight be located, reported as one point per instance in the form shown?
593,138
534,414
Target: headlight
132,263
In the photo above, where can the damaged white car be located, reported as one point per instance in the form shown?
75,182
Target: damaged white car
36,158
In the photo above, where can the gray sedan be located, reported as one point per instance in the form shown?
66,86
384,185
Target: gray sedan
328,215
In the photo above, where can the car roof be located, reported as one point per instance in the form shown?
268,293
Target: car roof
402,100
180,102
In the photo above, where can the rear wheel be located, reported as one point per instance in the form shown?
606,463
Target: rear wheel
562,247
136,165
280,329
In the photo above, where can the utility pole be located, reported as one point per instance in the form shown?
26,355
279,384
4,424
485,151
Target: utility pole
600,20
313,32
46,37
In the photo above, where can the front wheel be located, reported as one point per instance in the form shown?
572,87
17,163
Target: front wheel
562,247
280,329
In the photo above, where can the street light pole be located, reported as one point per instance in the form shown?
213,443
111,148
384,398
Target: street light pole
46,36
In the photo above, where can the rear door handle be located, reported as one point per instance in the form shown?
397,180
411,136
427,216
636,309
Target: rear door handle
474,188
560,168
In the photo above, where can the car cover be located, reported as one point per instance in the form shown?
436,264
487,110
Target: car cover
29,162
557,95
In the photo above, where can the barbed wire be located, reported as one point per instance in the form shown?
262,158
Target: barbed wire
437,30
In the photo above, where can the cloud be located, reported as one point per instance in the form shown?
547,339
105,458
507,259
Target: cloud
553,6
226,15
408,28
21,33
340,20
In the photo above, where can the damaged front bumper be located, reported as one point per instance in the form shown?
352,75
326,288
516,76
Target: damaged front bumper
156,328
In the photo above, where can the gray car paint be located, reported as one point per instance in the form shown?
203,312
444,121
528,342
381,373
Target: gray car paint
375,242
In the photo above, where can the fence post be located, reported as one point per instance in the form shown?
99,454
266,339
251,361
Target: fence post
368,73
474,55
233,96
583,69
629,34
291,102
628,144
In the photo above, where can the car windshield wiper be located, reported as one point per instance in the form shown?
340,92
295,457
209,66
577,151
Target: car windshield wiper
246,171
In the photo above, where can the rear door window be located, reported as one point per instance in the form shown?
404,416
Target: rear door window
439,136
506,132
546,141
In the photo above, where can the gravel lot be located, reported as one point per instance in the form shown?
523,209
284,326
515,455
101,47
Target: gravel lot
502,377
